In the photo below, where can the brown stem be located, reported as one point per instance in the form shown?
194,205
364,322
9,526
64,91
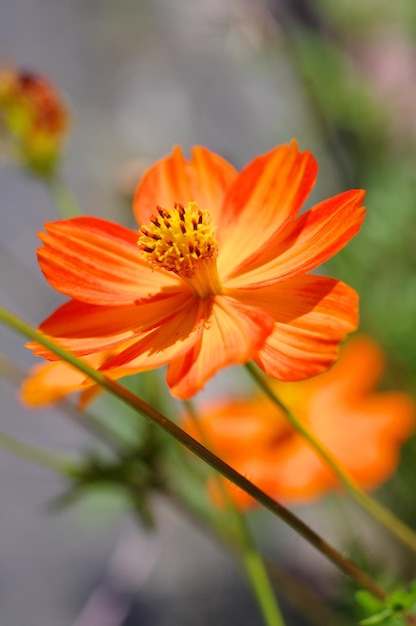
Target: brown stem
343,563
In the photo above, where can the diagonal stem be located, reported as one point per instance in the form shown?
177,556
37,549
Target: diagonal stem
36,455
344,564
374,508
252,559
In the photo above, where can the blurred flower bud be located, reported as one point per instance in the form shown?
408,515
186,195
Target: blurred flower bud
33,120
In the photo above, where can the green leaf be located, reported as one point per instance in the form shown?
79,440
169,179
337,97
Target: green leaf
379,618
368,602
390,612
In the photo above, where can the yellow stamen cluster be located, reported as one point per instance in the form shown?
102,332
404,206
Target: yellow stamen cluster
181,240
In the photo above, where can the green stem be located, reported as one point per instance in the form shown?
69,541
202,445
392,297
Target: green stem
253,562
344,564
65,203
36,455
260,582
374,508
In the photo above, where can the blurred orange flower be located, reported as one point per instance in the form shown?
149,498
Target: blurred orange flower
216,276
34,116
361,427
50,382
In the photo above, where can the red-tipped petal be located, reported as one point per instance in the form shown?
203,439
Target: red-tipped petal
97,261
204,179
268,193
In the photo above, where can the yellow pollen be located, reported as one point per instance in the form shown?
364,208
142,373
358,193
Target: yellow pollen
181,240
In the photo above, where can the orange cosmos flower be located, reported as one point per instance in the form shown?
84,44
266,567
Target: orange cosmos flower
362,428
217,274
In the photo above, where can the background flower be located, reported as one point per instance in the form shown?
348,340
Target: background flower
363,429
50,382
34,117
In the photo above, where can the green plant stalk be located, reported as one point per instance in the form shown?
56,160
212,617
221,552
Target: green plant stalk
345,565
374,508
261,585
252,559
37,455
64,201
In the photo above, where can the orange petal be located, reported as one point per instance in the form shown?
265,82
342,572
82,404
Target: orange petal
229,426
97,261
357,371
313,238
48,383
382,419
295,476
204,179
265,197
233,334
87,396
166,342
312,315
85,328
300,475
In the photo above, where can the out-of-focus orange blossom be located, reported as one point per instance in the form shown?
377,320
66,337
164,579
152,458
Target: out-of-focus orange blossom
363,429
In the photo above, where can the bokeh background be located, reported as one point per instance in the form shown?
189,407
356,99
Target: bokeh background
239,77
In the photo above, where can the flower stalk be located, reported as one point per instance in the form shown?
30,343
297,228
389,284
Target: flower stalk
36,455
253,562
374,508
345,565
65,203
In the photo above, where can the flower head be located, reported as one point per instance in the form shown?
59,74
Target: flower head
216,276
361,427
34,116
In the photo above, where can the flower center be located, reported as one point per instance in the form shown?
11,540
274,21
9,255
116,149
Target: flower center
181,240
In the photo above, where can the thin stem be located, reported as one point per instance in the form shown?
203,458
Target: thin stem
65,203
36,455
374,508
261,585
344,564
253,562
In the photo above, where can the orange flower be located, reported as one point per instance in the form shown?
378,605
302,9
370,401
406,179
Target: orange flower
362,428
51,382
219,275
34,115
